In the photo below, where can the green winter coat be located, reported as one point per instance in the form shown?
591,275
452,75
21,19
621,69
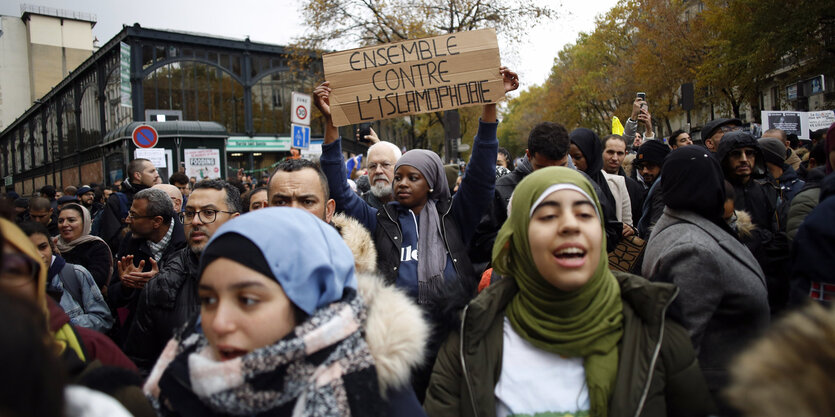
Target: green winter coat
803,203
658,374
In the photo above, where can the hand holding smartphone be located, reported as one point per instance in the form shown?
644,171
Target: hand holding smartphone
643,97
363,130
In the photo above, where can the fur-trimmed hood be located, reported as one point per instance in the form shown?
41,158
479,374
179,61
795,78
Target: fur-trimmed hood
744,226
359,240
395,331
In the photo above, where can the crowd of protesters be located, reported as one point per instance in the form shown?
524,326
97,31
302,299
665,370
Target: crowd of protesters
622,275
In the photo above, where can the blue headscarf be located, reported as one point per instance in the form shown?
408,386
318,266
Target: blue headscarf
304,254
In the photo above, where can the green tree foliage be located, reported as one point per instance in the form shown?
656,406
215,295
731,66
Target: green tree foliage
726,48
752,40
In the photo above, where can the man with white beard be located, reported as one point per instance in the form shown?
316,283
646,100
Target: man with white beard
381,159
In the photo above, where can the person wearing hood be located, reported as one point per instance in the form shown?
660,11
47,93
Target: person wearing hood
723,298
142,174
780,174
743,163
561,333
289,330
586,151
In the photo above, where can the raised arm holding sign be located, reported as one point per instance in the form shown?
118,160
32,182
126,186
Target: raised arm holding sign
422,236
322,100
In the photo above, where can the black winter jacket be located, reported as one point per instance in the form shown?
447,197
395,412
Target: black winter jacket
119,296
481,246
769,243
636,195
165,305
93,255
111,223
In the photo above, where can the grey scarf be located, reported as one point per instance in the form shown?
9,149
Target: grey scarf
432,252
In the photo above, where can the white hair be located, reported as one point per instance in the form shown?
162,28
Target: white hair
392,147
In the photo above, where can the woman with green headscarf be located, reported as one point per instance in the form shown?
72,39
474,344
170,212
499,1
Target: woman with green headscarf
563,335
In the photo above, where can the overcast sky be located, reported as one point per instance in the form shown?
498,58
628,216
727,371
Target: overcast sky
279,21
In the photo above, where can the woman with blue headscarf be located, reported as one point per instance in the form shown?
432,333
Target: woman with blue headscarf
285,329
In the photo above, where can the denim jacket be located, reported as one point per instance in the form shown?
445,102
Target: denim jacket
92,312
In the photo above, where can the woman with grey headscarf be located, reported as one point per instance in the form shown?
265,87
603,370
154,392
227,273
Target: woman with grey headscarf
422,236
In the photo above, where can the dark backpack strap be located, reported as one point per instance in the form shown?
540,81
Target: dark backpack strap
70,282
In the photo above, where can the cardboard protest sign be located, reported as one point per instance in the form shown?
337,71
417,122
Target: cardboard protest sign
416,76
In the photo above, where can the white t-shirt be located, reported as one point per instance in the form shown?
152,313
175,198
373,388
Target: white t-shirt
534,382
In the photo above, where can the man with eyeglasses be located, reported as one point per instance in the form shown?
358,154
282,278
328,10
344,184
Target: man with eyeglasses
170,298
142,174
155,237
714,130
381,159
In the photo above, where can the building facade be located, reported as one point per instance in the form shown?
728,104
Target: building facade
142,73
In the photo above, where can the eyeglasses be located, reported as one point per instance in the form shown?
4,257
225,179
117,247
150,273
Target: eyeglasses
134,216
737,153
206,215
373,166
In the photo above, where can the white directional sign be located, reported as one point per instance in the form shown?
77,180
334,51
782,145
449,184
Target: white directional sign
300,112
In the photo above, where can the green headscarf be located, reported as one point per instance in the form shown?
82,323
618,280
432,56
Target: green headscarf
587,322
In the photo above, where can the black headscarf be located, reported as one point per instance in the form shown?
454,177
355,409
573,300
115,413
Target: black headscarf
239,249
589,144
692,180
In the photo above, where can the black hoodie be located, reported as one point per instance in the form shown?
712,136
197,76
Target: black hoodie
769,242
756,197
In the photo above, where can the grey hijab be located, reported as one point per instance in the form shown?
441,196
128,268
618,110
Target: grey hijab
431,249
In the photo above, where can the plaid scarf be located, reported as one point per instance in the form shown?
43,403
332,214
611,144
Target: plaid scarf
159,247
322,368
